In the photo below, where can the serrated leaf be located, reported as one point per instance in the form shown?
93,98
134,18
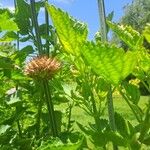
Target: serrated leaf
131,37
72,33
109,61
146,32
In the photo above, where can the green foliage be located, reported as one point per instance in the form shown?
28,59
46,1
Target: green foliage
136,14
23,13
57,144
133,92
6,23
131,37
109,61
72,33
146,32
88,70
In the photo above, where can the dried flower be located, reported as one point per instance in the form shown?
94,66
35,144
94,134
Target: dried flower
42,67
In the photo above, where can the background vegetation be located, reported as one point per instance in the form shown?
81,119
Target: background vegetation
62,91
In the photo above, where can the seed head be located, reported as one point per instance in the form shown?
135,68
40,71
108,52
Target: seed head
42,67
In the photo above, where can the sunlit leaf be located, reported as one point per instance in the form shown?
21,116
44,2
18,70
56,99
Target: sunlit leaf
14,101
131,37
6,23
109,61
56,144
72,33
4,128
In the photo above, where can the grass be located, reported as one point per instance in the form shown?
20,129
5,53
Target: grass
120,106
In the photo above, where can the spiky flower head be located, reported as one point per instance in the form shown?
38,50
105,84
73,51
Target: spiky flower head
42,67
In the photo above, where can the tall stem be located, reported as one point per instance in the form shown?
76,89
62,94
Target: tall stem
111,109
38,119
102,16
50,107
69,117
18,44
47,31
19,129
36,26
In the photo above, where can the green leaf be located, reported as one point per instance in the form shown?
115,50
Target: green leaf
4,128
147,140
23,15
133,92
6,23
116,138
14,101
5,63
146,32
109,61
72,33
9,36
56,144
23,53
131,37
121,125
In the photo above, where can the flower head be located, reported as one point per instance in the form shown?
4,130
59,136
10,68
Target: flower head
42,67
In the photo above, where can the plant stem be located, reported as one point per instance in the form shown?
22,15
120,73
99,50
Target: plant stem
102,16
111,113
111,109
69,117
50,107
95,112
47,30
145,125
15,4
146,86
19,129
38,119
36,26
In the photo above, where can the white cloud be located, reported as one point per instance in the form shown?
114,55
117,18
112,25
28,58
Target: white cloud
11,8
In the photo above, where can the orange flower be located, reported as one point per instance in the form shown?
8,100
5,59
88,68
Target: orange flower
42,67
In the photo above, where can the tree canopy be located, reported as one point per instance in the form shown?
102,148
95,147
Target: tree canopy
137,14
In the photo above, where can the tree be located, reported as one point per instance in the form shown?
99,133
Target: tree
137,14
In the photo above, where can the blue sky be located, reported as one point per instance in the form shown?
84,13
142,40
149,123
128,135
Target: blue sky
84,10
